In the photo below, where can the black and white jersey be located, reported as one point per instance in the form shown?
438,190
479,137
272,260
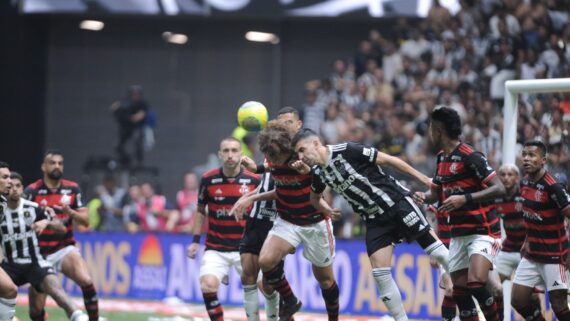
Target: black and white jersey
265,209
351,171
19,241
2,206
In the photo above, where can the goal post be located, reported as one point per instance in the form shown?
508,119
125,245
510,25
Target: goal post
511,113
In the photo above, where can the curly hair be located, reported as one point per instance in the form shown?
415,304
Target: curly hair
274,140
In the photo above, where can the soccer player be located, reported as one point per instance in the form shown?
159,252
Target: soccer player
465,184
509,208
8,290
258,224
545,204
354,171
298,222
220,188
23,261
64,196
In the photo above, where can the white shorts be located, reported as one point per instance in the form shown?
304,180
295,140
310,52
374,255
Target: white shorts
541,275
462,247
218,263
506,262
56,258
318,239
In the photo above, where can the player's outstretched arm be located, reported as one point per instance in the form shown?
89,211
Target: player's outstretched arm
196,232
384,159
495,189
246,200
320,204
80,215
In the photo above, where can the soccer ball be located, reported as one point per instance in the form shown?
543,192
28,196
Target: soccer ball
252,116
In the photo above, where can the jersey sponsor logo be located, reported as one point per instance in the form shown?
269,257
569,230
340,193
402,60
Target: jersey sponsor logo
222,212
411,219
346,184
287,181
455,158
217,180
18,236
244,180
42,191
531,215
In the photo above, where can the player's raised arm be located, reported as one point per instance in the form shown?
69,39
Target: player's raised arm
384,159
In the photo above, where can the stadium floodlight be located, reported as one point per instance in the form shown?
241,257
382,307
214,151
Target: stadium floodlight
258,36
511,112
175,38
92,25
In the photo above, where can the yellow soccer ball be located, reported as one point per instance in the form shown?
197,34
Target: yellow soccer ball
252,116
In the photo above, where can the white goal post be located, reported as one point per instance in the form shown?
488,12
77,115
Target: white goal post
511,113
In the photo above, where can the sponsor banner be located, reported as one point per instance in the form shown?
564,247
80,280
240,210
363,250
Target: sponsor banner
155,267
244,8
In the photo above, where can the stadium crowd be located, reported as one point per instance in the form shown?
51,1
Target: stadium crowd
382,97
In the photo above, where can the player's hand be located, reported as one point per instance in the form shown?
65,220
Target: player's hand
40,226
193,250
335,214
51,212
419,198
249,164
452,203
433,263
300,167
240,207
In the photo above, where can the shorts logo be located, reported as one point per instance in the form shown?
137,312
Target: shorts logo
484,251
386,299
556,283
411,219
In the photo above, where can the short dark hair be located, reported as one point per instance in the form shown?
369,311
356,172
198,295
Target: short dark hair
449,119
4,165
53,152
302,134
16,175
231,139
538,144
288,110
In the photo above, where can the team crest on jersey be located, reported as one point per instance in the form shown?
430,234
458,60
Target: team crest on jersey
244,189
453,168
538,195
65,199
44,202
518,207
28,218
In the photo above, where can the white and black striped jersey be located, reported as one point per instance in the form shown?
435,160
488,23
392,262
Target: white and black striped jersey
265,209
351,171
19,241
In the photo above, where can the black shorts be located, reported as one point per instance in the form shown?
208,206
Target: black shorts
255,233
404,221
31,273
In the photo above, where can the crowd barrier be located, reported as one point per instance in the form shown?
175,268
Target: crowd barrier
155,267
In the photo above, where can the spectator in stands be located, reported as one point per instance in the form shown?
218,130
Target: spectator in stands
155,213
131,208
313,111
111,209
187,201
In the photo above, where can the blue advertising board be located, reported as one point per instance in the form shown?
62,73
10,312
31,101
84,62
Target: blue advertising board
155,266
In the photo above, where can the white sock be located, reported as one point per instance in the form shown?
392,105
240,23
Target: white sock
78,315
7,309
272,306
251,302
440,253
390,293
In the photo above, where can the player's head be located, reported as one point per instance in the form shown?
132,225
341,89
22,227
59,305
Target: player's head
17,188
52,166
306,145
445,123
230,152
509,175
533,156
289,116
5,180
275,142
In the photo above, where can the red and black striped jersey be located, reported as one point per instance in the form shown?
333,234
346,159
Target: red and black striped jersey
545,204
510,210
68,193
293,192
443,226
464,171
218,193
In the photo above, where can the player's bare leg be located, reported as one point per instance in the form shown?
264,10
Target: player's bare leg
52,286
329,289
8,293
75,268
271,263
36,303
381,262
